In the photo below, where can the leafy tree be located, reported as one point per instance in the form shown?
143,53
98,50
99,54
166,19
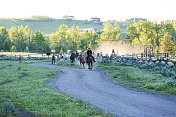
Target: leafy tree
4,42
59,39
160,36
19,36
88,39
110,31
107,34
73,38
116,31
13,48
40,43
27,49
167,45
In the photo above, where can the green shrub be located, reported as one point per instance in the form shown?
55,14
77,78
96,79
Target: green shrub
7,109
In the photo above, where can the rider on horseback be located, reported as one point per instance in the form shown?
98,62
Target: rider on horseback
89,54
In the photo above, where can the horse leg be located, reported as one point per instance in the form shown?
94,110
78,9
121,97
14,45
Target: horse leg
91,65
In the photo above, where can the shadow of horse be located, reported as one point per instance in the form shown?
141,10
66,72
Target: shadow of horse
90,62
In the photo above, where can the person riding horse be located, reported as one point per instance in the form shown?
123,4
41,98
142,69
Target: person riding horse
89,54
72,57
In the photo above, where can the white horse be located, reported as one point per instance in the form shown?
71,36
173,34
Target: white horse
57,58
65,56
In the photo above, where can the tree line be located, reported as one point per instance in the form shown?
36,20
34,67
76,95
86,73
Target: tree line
161,36
20,38
73,39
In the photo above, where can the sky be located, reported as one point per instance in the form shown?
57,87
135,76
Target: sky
155,10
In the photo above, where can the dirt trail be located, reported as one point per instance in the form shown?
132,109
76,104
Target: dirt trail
94,88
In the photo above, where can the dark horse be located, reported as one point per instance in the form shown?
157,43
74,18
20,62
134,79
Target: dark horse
72,57
53,59
90,62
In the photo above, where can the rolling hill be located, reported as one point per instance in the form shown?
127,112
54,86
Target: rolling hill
49,26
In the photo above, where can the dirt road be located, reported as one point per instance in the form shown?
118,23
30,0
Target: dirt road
94,88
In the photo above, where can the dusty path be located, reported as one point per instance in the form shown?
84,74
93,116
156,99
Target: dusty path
93,87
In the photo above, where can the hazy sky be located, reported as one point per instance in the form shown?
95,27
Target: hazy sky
84,9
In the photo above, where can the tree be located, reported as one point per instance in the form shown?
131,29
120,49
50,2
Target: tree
40,43
88,39
110,31
73,37
145,33
59,39
107,31
116,31
167,45
19,36
6,44
13,48
4,39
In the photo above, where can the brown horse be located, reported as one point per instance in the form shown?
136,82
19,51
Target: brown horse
53,59
82,60
20,59
90,62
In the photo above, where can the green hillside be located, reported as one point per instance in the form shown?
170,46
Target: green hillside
49,26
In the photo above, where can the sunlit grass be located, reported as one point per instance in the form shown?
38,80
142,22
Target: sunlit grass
141,79
32,93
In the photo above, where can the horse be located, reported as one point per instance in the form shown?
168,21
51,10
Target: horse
65,56
53,59
89,62
72,57
82,60
57,58
20,59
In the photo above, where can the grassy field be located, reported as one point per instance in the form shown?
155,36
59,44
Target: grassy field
26,87
48,26
140,79
51,26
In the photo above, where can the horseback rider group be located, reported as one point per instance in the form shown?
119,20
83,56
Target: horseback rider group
89,54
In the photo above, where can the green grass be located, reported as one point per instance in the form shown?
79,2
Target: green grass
141,79
51,26
32,93
48,26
